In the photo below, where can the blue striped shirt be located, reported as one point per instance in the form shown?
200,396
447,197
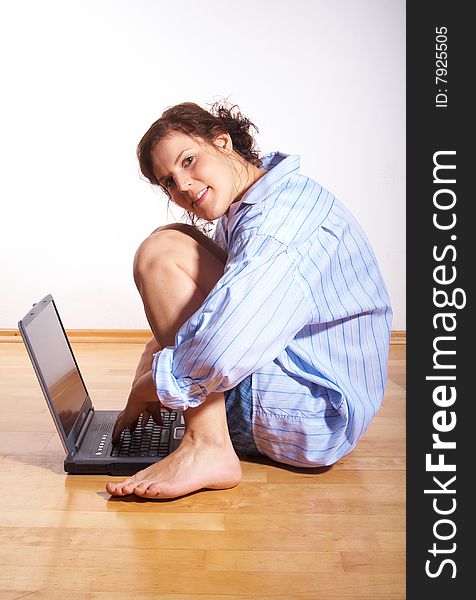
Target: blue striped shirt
303,307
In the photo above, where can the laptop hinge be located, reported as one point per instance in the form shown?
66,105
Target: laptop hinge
84,428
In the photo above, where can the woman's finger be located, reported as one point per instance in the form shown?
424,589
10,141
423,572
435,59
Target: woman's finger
145,418
118,428
127,418
133,425
155,412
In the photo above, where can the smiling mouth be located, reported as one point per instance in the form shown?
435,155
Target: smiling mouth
200,197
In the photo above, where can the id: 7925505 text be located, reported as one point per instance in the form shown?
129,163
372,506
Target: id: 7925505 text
441,67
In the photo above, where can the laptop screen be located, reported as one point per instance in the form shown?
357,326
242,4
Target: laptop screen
57,365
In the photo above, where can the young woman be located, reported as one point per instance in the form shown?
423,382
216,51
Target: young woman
272,336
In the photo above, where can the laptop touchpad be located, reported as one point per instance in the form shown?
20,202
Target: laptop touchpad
178,433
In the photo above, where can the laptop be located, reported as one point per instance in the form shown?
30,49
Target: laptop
86,433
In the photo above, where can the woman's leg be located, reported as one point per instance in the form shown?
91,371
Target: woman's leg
174,269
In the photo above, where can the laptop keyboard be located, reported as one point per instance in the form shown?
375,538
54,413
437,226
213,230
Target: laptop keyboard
152,440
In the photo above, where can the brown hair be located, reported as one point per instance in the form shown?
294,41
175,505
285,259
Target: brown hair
191,119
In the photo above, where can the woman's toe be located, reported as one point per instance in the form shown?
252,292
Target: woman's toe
152,490
140,488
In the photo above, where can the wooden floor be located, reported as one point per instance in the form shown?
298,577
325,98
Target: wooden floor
282,534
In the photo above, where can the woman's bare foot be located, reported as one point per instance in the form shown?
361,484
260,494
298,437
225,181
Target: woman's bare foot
193,466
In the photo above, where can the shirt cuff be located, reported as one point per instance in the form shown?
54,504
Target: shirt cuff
175,393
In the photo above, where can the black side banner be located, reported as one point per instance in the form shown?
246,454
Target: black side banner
441,268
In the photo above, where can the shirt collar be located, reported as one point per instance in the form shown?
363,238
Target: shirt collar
279,168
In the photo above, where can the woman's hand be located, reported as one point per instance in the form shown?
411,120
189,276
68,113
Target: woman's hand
145,362
142,400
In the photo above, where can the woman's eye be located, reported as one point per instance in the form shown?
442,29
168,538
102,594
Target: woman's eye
169,182
188,161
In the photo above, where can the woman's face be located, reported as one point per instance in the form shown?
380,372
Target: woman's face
200,177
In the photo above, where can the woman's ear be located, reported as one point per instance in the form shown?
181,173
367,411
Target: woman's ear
223,141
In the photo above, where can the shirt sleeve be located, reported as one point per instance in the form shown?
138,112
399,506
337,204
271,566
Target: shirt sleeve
219,235
249,317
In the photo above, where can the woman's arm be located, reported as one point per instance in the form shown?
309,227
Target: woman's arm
145,362
249,317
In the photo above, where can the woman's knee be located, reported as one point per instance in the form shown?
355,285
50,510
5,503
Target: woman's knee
158,250
199,237
182,227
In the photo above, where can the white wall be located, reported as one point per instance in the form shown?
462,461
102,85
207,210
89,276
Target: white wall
83,79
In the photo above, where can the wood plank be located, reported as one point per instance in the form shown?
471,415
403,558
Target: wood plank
392,563
110,520
116,336
340,477
398,337
295,562
116,595
120,558
363,538
392,540
159,581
